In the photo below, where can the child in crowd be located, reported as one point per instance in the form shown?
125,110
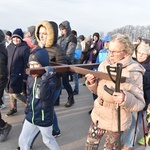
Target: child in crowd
39,110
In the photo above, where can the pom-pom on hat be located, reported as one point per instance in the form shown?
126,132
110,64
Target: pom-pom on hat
18,33
41,56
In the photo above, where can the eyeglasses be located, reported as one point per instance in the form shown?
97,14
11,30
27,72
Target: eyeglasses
115,52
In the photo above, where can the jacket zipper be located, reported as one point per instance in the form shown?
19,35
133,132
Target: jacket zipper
33,90
42,115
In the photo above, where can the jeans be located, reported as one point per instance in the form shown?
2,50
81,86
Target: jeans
66,84
76,82
131,132
55,123
30,130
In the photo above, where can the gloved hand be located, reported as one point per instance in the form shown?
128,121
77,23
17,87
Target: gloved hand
49,70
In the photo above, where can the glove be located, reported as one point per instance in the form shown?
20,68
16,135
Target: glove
49,70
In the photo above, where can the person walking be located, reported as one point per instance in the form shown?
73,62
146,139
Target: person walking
46,34
143,58
4,126
39,110
130,99
18,54
67,42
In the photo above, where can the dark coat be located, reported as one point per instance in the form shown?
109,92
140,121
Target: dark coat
146,81
17,63
40,91
3,68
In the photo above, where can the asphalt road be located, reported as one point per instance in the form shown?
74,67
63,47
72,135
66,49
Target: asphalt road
74,123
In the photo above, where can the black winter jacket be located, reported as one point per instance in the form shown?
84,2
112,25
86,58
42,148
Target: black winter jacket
3,68
17,63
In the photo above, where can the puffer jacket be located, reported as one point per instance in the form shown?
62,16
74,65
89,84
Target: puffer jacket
39,110
17,63
106,113
68,43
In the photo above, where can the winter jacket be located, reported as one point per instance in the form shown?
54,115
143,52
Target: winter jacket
55,52
3,68
68,43
105,110
146,81
40,91
17,63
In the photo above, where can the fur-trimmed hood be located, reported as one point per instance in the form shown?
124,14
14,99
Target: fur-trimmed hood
52,32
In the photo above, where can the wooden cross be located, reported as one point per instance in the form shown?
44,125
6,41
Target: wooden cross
78,68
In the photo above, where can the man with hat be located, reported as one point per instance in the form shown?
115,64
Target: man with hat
18,52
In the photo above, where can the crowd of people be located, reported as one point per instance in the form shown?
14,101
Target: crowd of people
40,92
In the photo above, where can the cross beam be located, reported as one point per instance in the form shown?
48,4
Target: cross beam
78,68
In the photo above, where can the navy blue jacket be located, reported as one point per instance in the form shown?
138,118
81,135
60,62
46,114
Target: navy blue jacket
17,63
40,92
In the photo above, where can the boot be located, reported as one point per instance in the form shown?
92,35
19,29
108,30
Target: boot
70,101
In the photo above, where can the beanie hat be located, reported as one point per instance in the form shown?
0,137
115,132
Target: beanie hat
41,56
18,33
2,36
143,48
81,37
9,33
31,29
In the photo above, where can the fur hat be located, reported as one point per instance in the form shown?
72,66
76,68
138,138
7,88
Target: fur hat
31,29
18,33
2,36
9,33
41,56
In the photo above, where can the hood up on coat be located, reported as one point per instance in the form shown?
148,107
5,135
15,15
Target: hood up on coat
66,25
52,32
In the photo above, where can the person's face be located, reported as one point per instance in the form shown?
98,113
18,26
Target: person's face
16,40
95,38
63,31
141,56
34,64
106,45
116,52
8,37
43,35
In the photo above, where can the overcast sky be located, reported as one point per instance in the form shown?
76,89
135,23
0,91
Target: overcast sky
85,16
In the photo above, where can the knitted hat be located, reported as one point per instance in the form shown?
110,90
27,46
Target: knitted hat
9,33
2,36
41,56
31,29
18,33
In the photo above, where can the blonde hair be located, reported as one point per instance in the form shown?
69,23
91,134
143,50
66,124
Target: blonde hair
124,39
